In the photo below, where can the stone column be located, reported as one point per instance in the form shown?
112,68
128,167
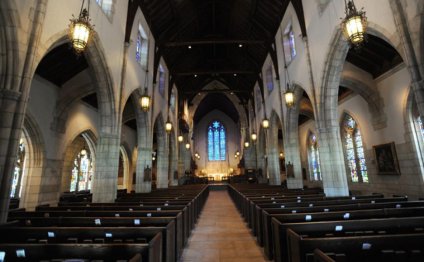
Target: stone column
249,157
105,178
332,163
14,95
144,160
273,156
181,156
9,137
291,145
162,157
173,161
410,40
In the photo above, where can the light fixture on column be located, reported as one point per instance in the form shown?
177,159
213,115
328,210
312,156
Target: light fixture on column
153,155
281,154
180,138
187,146
235,156
145,100
354,25
289,94
238,153
168,126
80,29
246,144
254,136
265,123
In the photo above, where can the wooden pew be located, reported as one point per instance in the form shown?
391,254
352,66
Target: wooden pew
100,252
364,248
102,235
265,232
314,204
322,228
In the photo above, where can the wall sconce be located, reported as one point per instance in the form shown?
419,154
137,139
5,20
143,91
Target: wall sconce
265,123
168,126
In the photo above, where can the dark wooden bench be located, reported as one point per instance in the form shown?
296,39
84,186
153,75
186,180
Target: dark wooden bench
102,235
265,232
261,210
88,252
335,228
357,248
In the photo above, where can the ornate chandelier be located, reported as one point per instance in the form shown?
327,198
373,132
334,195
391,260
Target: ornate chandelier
354,25
81,30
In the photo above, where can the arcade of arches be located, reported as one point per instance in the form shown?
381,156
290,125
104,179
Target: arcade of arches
74,123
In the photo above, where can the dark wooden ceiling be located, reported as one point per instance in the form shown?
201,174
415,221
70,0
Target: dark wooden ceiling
375,57
229,39
61,64
216,101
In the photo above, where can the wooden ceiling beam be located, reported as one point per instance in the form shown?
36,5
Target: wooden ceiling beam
214,41
214,72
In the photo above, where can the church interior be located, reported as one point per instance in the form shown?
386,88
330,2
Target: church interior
212,130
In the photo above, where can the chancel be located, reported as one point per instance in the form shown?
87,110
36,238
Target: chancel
212,130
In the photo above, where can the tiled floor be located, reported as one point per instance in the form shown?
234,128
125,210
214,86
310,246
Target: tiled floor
221,234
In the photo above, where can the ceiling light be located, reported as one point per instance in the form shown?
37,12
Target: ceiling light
189,47
354,25
240,45
80,30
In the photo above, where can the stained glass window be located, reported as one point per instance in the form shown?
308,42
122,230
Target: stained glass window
82,172
217,142
141,49
269,79
19,171
161,80
314,167
354,150
289,44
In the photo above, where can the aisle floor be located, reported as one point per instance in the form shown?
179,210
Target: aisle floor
221,234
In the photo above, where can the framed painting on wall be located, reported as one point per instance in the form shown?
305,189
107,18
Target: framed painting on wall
386,158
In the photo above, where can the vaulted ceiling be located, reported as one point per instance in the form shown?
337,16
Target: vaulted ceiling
206,40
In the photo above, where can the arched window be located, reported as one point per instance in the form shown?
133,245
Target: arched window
19,171
217,143
162,80
269,79
82,172
141,49
418,125
314,168
354,150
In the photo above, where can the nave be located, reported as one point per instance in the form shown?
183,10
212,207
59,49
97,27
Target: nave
221,234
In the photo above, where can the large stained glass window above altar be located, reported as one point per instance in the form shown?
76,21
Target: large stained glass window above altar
217,142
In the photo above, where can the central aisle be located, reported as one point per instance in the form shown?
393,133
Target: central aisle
221,234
